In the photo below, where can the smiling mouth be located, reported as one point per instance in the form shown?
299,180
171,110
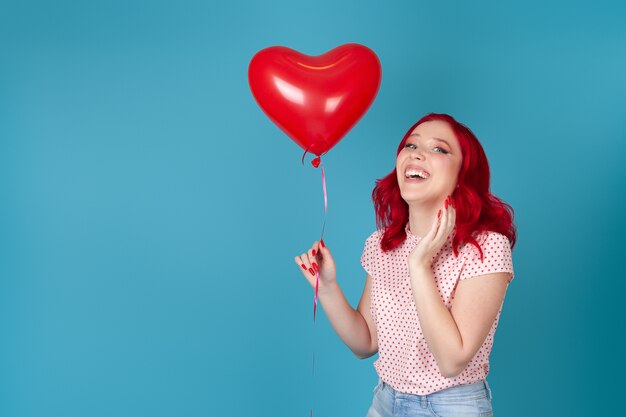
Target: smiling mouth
419,174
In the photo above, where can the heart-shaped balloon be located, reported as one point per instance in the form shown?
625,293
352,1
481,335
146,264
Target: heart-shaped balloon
315,100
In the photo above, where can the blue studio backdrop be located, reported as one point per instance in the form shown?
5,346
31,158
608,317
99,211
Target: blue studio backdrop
150,211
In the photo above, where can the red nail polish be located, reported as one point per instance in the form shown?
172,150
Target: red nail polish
303,266
446,205
315,266
311,271
313,252
322,242
439,214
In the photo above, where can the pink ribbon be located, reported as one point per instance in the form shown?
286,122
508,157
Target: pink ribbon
317,273
316,162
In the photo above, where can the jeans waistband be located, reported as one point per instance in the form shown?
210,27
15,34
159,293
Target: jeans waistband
462,390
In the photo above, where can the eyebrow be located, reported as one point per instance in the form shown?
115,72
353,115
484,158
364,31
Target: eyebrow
439,139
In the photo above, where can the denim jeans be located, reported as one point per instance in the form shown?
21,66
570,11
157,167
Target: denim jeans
470,400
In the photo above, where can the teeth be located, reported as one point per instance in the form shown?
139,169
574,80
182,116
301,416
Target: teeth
413,173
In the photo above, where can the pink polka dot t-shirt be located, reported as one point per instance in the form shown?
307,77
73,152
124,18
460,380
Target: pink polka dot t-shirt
404,361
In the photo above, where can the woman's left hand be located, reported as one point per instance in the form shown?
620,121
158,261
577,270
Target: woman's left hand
429,245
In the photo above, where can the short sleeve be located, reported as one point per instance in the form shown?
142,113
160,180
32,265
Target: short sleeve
370,250
496,257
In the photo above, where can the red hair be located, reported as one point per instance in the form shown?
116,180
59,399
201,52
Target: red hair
477,210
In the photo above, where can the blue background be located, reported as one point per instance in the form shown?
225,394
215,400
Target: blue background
150,212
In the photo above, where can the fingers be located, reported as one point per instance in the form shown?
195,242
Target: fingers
309,261
444,225
314,255
441,225
451,218
432,233
306,262
448,223
303,262
305,265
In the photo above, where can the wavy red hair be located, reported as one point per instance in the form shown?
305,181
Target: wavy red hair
477,210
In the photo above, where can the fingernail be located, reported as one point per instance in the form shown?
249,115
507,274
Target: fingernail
311,271
322,242
446,205
439,214
303,266
313,252
315,266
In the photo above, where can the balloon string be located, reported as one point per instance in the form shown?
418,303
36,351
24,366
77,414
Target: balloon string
317,162
313,378
317,274
325,200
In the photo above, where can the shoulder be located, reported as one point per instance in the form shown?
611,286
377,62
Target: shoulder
489,242
494,256
377,235
372,252
373,240
493,238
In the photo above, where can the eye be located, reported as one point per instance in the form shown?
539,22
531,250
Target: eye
410,145
442,150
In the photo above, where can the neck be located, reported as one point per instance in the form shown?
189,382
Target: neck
421,218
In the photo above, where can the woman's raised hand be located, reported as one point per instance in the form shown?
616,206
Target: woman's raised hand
318,258
443,225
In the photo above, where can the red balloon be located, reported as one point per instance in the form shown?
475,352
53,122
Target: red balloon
315,100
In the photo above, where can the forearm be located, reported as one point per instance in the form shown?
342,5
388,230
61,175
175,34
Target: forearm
438,326
347,322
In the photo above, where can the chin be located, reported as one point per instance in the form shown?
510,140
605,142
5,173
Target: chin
412,197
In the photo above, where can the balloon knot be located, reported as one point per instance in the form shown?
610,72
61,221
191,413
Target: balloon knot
316,162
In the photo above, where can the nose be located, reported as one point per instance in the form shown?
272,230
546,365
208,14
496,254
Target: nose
416,154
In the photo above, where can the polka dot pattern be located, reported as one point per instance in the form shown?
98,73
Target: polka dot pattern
404,361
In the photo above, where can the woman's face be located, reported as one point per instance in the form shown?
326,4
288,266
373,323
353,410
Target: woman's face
431,147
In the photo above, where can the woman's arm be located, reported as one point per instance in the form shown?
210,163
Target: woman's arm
354,327
454,336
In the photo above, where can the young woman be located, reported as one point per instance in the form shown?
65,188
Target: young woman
438,267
